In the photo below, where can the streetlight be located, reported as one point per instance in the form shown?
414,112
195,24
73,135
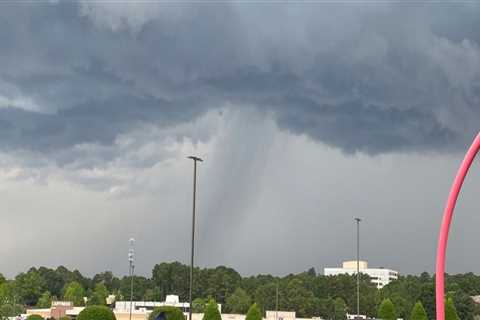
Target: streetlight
195,160
358,266
131,254
276,303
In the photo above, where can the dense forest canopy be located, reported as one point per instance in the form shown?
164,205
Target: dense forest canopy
307,293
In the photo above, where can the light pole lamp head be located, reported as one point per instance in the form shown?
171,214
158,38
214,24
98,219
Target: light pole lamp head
195,158
358,219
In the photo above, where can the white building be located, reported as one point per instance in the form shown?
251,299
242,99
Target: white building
147,306
170,300
379,276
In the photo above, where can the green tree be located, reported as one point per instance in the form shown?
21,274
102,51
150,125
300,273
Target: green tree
96,313
74,292
403,306
211,311
10,310
171,313
45,300
108,279
254,313
220,282
427,297
7,292
450,311
152,294
265,296
172,278
99,295
298,298
198,305
340,309
238,302
464,305
140,287
418,312
34,317
386,310
326,308
30,286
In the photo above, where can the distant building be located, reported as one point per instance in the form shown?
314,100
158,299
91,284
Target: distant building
354,316
142,309
280,315
379,276
171,300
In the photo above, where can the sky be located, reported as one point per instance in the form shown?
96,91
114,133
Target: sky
306,114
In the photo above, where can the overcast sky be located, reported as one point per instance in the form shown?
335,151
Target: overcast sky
307,115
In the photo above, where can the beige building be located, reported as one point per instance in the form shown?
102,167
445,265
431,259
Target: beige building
57,310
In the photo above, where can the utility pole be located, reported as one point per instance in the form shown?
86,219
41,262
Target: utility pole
358,266
195,160
131,254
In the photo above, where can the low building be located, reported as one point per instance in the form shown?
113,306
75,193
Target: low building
170,300
57,310
147,306
379,276
354,316
280,315
142,309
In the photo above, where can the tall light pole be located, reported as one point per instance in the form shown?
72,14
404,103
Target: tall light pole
195,160
131,254
358,266
276,303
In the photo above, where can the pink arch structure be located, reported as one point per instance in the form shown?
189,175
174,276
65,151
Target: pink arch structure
447,218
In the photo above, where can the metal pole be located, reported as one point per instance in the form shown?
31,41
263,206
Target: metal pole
195,159
131,271
276,304
358,266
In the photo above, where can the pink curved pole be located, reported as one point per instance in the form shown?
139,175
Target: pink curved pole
447,218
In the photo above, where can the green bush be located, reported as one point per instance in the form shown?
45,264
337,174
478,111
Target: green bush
96,313
171,313
254,313
418,312
211,311
65,318
450,310
35,317
386,311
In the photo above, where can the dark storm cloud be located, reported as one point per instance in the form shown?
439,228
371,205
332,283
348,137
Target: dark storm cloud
362,78
92,122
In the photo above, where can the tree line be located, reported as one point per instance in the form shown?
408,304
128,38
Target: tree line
307,293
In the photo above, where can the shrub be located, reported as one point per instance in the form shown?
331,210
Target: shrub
386,311
35,317
418,312
211,311
254,313
450,310
96,313
171,313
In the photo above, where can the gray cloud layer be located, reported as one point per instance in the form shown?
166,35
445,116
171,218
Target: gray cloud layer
372,78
